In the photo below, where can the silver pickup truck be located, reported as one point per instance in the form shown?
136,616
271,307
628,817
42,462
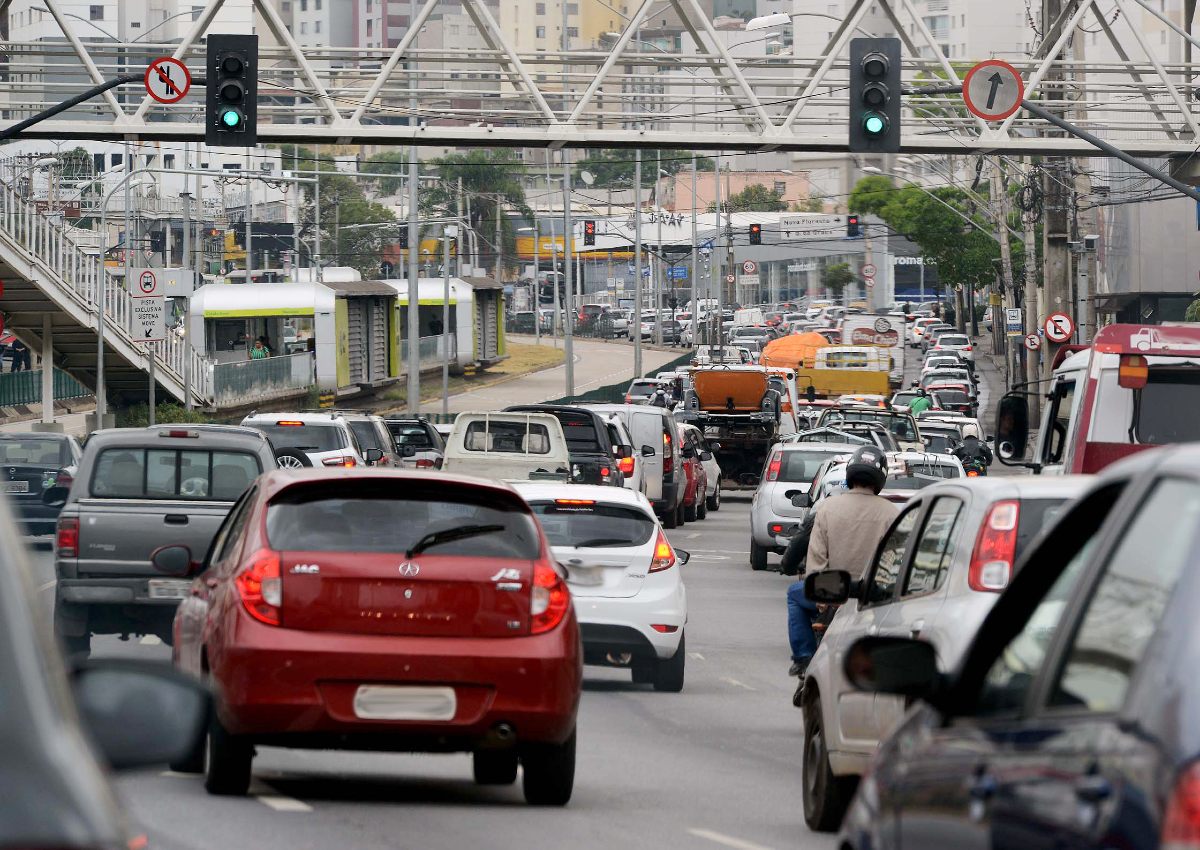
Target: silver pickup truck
138,489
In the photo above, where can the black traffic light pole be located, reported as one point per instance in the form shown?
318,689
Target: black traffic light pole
15,129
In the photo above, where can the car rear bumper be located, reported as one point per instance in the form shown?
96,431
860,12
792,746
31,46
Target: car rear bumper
297,688
106,606
626,624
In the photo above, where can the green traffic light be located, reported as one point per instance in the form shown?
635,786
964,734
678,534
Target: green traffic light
231,118
874,124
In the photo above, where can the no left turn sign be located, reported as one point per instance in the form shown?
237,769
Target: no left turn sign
167,80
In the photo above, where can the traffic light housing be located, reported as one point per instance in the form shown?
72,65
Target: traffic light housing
589,232
756,234
853,227
403,238
874,95
231,81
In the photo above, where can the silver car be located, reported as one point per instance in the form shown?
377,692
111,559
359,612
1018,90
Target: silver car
790,470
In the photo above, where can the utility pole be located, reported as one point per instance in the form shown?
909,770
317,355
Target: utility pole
732,263
719,280
319,270
568,238
636,325
656,285
695,254
1055,183
1029,221
186,197
1000,208
414,295
249,215
499,244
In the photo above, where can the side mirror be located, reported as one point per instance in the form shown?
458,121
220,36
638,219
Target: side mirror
623,452
173,561
802,500
647,451
1012,428
888,665
682,556
55,497
140,714
706,456
828,587
373,456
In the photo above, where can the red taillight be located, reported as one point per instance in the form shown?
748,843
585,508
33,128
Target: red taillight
668,455
664,555
664,629
1133,372
626,465
66,540
628,398
261,587
775,465
63,479
966,348
776,528
995,548
340,461
290,423
425,463
550,599
1181,821
605,472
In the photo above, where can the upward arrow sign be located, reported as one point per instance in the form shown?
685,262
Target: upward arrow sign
996,80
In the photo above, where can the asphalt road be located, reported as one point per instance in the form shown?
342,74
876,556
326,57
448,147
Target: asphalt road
715,766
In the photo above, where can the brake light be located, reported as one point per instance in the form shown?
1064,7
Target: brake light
628,398
424,463
550,599
63,479
966,348
995,548
605,472
775,465
179,433
574,501
347,461
664,555
1133,372
66,539
664,629
1181,820
261,587
289,423
626,465
668,455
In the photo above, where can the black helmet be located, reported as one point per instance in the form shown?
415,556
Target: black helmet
867,467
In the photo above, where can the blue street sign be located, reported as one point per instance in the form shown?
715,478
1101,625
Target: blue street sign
677,272
646,272
707,246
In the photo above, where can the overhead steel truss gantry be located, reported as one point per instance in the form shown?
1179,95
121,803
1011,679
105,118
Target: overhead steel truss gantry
480,91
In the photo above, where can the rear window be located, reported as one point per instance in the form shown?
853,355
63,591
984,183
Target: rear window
510,437
369,517
801,465
593,526
953,339
1036,514
417,436
1169,408
303,437
123,473
367,436
34,451
953,397
580,431
641,389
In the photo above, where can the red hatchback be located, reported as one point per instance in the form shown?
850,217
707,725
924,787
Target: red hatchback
383,610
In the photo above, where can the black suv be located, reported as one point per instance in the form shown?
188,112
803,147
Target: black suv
593,457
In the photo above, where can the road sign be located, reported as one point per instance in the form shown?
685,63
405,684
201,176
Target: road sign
677,272
173,283
993,90
1059,327
149,319
729,278
869,282
167,80
1033,342
1014,321
750,267
748,280
868,271
147,283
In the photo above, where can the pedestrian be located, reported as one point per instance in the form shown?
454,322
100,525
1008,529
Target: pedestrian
21,357
259,351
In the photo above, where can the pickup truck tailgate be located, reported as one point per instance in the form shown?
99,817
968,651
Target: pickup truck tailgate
116,537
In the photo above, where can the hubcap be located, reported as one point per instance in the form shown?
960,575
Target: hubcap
289,462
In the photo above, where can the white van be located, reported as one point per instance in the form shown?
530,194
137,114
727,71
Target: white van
508,446
748,316
657,444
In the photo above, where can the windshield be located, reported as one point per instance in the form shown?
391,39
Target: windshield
306,438
593,526
580,431
134,473
1167,410
901,426
411,435
33,451
800,465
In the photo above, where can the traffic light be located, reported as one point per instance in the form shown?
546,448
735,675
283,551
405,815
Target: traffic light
589,232
403,238
232,83
853,227
874,95
756,234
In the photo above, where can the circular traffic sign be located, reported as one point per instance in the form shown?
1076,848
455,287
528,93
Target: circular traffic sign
148,283
167,80
729,278
1059,327
1033,342
749,267
868,270
993,90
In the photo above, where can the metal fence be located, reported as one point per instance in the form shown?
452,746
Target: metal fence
434,350
251,380
26,387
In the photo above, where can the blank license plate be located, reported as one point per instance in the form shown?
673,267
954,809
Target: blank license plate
15,487
585,576
168,589
403,702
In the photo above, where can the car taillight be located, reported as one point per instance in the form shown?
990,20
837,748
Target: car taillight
668,455
995,548
261,587
966,348
425,463
1181,821
777,528
63,479
340,461
664,555
775,465
628,398
66,540
550,599
626,465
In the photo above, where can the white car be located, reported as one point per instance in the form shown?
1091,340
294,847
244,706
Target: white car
309,439
625,577
958,343
633,469
918,330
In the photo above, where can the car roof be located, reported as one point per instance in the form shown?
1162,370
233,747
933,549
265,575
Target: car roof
995,487
827,448
307,417
275,481
233,434
543,490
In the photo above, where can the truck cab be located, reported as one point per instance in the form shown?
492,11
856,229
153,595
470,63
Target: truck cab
1132,389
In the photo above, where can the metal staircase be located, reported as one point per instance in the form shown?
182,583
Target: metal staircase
45,274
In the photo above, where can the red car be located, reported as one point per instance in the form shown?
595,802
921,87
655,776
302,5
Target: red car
695,494
386,610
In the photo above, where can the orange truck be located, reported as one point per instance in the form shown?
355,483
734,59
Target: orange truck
740,413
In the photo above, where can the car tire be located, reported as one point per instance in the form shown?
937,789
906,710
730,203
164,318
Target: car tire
292,459
671,519
690,513
714,501
680,519
758,556
227,771
701,505
826,797
495,767
549,772
668,673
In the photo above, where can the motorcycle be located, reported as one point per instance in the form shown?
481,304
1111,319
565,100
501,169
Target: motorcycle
974,467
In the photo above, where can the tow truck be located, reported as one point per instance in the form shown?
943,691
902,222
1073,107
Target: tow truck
1134,388
738,408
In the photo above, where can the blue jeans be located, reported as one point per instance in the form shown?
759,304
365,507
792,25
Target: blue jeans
800,616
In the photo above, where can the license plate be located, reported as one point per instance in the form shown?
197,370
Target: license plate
401,702
15,487
585,576
160,588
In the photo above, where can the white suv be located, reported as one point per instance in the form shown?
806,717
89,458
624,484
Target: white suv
311,439
624,577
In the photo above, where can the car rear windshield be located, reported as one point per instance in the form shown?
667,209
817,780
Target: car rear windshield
511,437
901,426
580,431
953,397
1169,407
135,473
370,516
640,389
306,437
33,451
1036,514
367,436
953,339
415,435
593,526
801,465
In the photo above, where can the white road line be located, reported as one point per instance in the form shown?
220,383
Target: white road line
696,655
727,840
693,535
738,684
47,585
282,804
150,640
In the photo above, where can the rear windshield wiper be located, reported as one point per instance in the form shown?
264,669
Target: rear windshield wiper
451,534
603,541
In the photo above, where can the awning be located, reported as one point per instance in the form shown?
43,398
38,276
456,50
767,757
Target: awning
261,300
359,287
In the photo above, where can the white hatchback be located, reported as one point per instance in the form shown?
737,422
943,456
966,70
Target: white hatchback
625,577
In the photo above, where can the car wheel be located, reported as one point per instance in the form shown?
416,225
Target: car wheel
701,505
714,501
826,797
679,517
495,767
227,773
671,519
668,674
549,772
758,556
292,459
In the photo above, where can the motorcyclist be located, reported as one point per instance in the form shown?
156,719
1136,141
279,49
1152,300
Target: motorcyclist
921,403
846,531
659,398
973,449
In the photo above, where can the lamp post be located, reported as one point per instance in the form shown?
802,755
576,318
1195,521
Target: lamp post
449,232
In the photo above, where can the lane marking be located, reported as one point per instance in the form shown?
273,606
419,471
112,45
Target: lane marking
280,803
736,683
150,640
47,585
696,655
727,840
693,535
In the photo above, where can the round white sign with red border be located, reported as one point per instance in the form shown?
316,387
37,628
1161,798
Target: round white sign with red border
167,80
749,267
868,271
1059,327
1033,342
993,90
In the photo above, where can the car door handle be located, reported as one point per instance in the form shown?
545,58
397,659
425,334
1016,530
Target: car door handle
176,519
1093,789
984,787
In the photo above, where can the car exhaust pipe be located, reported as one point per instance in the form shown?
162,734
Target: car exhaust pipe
502,734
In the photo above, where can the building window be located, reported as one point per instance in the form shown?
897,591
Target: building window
572,8
316,26
780,188
540,32
370,27
369,6
303,5
168,160
95,13
304,28
316,4
540,8
572,32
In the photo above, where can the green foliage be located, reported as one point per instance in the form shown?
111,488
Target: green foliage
755,198
388,162
138,415
814,204
1193,312
836,277
613,169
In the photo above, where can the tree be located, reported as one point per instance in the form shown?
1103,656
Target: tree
388,162
755,198
836,277
1193,312
815,203
613,169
